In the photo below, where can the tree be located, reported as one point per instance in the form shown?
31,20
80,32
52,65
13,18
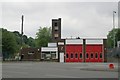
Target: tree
118,34
25,39
43,36
8,43
110,37
18,40
31,42
11,42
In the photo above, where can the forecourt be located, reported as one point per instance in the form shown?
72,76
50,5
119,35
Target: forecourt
58,70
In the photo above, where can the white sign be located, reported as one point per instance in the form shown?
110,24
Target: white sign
74,41
52,44
60,43
49,49
94,41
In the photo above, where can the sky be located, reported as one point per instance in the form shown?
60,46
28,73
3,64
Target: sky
83,19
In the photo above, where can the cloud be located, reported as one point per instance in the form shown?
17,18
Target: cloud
84,19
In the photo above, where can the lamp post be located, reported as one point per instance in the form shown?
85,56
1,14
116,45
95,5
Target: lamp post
114,29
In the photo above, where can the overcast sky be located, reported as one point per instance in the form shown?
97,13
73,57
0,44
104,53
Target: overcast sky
83,19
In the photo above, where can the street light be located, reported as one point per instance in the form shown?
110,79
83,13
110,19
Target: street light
114,28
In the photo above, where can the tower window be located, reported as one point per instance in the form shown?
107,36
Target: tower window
55,35
56,28
55,24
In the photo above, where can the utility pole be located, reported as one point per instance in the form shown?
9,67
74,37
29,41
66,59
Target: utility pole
114,29
22,31
21,55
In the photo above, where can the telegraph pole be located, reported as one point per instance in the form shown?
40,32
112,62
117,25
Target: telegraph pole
114,29
21,55
22,31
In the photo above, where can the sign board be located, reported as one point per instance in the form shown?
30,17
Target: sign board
94,41
52,44
74,41
60,43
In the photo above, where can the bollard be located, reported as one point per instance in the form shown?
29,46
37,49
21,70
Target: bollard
111,66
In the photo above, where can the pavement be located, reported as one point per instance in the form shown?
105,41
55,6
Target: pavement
58,70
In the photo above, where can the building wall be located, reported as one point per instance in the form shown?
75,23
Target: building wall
56,29
86,50
50,50
30,54
61,49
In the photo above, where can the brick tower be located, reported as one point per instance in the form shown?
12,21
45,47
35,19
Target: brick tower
56,30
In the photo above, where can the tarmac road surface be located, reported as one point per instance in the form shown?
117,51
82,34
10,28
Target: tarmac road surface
57,70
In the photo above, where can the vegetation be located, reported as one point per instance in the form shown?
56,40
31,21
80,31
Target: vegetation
8,43
43,36
113,52
110,37
11,41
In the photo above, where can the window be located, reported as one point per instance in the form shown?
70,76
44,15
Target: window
80,55
56,35
42,56
91,55
76,55
96,55
56,28
31,52
100,55
55,24
62,48
71,55
53,55
86,55
67,56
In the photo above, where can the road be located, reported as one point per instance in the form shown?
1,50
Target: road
57,70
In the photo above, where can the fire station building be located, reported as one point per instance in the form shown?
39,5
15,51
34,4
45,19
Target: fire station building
72,49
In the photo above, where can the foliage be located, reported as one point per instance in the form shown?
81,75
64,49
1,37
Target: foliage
43,36
110,37
118,35
8,43
11,41
31,42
